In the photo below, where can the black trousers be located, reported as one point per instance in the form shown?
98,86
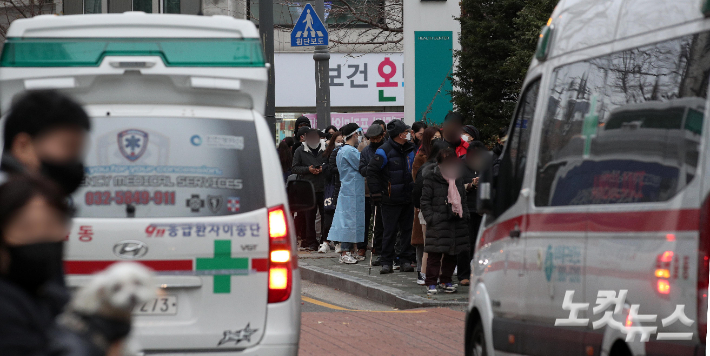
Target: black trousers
436,263
327,222
376,210
463,260
397,218
309,239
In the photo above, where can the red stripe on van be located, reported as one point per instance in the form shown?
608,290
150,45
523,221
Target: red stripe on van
260,264
90,267
633,221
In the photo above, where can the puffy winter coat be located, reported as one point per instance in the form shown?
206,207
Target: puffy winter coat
446,232
390,172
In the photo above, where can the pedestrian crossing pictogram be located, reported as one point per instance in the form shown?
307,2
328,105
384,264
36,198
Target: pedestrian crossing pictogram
309,29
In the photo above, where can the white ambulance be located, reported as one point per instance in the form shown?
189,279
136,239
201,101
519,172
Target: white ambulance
597,233
181,172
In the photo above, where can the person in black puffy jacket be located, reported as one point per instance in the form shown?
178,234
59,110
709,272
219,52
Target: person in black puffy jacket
332,178
445,210
389,177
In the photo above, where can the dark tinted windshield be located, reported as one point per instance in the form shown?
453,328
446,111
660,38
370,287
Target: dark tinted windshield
170,167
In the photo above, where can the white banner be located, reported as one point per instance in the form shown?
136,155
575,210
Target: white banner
371,79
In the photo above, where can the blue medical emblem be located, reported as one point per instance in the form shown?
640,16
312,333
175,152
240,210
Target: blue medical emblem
132,143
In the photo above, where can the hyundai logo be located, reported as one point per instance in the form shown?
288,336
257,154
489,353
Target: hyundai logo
130,249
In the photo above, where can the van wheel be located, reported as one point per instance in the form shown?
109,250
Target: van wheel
620,349
478,341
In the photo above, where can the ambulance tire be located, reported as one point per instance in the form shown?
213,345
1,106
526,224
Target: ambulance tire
620,349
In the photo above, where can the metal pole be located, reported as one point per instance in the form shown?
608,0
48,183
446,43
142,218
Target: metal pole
321,56
266,32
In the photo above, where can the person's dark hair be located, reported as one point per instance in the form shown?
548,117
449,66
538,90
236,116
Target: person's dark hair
289,141
331,144
330,127
502,132
445,154
19,190
476,146
285,155
38,112
418,126
438,146
473,132
429,134
380,122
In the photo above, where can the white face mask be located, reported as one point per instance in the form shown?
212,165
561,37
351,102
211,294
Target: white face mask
338,144
409,136
359,139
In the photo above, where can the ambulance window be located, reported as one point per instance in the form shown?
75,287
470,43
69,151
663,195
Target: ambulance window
624,128
170,167
513,161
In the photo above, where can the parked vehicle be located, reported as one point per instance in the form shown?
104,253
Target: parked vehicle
603,186
178,174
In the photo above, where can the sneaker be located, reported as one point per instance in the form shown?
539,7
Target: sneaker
348,259
312,248
448,287
431,290
324,248
360,256
386,269
376,260
337,248
407,267
395,266
420,278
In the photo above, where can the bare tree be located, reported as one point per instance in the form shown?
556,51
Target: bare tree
358,25
10,10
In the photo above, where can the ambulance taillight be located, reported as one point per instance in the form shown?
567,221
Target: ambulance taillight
703,268
280,256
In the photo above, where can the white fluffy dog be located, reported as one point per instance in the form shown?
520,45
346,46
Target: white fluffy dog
99,314
115,292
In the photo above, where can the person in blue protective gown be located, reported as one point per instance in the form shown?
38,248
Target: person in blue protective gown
349,221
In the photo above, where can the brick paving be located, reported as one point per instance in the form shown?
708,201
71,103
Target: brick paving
435,331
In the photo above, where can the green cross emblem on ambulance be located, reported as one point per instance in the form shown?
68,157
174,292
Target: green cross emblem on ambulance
223,266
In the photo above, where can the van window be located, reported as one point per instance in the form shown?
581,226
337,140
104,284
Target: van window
170,167
624,128
513,161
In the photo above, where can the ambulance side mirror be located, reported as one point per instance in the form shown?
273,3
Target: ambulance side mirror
486,189
301,195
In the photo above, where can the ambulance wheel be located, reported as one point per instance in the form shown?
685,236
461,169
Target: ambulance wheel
478,341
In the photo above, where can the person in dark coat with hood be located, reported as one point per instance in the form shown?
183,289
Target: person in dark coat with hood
445,210
308,163
302,123
471,170
376,134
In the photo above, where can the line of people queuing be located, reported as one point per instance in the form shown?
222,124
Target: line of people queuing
415,186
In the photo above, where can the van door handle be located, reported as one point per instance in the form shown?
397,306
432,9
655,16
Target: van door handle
515,233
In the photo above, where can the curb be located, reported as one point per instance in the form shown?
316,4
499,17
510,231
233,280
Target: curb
363,288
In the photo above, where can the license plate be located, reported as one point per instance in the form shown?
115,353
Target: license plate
166,305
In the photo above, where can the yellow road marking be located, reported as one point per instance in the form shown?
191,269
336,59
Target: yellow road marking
335,307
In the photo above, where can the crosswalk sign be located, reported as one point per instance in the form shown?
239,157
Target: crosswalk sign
309,29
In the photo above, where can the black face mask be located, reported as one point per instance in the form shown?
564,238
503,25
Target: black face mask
377,144
68,175
417,141
33,265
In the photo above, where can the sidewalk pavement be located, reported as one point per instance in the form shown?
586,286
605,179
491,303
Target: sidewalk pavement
398,289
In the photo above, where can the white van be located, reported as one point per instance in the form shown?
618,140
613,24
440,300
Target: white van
182,173
602,190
